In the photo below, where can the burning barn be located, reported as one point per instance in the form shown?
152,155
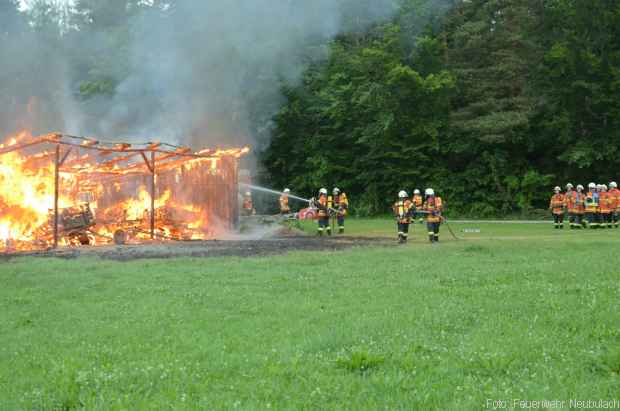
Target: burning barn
58,189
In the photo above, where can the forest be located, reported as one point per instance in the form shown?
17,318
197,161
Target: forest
490,102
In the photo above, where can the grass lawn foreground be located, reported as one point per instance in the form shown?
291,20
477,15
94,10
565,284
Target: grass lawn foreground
513,311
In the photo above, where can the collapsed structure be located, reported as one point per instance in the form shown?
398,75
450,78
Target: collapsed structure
58,189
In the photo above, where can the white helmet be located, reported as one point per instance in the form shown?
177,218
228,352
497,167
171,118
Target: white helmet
287,190
323,191
579,187
336,190
402,194
603,187
592,185
247,193
569,186
416,191
599,187
429,192
557,189
613,184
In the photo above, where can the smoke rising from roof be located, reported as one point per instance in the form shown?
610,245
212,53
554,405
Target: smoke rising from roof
196,72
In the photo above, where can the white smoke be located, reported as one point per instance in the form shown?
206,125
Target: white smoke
194,71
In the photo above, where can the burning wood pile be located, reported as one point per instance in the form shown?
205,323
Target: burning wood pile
58,189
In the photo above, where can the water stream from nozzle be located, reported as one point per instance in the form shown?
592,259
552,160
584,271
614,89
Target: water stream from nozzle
274,192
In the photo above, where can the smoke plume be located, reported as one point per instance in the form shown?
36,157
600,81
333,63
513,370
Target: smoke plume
195,72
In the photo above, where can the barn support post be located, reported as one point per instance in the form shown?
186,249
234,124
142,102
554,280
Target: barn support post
235,193
152,195
56,189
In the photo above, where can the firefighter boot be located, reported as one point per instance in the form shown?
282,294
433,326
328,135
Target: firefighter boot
400,238
341,230
436,238
329,231
431,237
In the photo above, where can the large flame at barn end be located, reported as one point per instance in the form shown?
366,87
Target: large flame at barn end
65,190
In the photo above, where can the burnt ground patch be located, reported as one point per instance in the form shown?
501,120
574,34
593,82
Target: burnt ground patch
212,248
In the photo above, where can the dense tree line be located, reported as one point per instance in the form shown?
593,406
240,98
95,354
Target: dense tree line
492,102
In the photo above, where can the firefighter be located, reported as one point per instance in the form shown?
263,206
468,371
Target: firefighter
574,202
591,206
339,205
432,207
403,209
248,206
606,207
615,195
418,202
285,208
323,213
556,206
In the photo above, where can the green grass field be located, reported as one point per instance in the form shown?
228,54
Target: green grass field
515,311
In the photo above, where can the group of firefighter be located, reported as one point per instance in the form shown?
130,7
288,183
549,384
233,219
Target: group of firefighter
406,211
330,208
335,207
597,208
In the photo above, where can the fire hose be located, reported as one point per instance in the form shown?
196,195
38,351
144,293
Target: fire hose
443,219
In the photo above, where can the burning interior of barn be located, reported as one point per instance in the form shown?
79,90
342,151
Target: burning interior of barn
62,190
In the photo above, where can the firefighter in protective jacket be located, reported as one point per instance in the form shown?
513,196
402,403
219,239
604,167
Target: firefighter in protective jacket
248,205
418,201
615,195
606,207
338,204
556,206
323,213
575,204
432,208
285,208
403,210
592,206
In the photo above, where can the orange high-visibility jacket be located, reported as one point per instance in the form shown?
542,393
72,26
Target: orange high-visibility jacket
401,210
339,202
592,201
605,202
556,205
433,207
322,206
284,207
615,194
574,202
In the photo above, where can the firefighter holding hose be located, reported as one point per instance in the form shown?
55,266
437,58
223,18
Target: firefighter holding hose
432,207
403,210
248,205
285,208
338,204
323,213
